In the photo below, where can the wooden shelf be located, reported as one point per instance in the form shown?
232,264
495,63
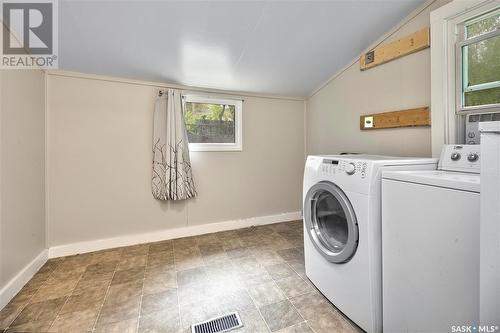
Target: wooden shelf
395,119
409,44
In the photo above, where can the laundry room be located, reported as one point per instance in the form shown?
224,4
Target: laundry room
250,166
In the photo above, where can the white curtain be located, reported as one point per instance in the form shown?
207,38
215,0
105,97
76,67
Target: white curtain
172,178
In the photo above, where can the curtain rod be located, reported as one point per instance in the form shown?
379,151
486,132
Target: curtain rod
230,97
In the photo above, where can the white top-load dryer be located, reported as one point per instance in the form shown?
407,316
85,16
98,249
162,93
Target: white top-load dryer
342,230
430,245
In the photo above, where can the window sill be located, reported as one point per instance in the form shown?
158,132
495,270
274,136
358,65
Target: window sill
479,108
201,147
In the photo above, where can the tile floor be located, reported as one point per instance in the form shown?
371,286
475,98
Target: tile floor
169,285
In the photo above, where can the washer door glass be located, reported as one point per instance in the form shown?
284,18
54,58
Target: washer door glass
331,222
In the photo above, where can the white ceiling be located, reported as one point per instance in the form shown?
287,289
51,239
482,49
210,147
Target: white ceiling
274,47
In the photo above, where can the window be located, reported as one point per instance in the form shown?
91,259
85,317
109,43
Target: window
213,124
456,29
478,55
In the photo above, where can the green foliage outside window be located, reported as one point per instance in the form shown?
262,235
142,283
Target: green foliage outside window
209,123
481,62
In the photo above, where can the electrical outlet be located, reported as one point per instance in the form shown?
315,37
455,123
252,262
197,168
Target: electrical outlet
370,57
368,122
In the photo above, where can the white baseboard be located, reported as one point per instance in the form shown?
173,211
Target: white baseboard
17,282
108,243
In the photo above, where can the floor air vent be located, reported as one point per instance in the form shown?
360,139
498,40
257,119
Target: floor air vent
218,325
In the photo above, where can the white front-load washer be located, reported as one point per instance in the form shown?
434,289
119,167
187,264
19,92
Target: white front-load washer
342,230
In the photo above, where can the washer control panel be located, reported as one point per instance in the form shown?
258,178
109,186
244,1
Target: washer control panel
346,167
462,158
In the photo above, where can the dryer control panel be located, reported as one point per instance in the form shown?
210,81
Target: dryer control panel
460,158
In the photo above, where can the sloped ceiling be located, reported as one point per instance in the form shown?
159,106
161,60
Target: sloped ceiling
273,47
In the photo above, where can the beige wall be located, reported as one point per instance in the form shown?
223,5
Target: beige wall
22,189
332,117
99,163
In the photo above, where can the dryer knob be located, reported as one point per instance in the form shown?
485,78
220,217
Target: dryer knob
350,168
473,157
455,156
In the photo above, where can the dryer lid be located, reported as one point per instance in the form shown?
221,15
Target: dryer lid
447,179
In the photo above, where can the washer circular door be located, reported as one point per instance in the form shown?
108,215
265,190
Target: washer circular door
331,222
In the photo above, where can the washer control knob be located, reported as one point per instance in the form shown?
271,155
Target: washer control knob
472,157
471,135
455,156
350,168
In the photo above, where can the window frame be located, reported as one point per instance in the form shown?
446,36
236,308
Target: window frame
238,114
447,121
460,85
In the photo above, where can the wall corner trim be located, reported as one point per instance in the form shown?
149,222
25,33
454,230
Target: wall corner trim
17,282
155,236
